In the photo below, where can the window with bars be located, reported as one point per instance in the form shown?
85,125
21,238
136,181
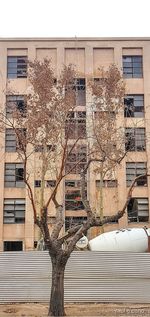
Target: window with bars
14,175
13,103
135,139
134,106
72,221
12,143
14,211
76,159
16,67
134,169
76,125
138,210
133,66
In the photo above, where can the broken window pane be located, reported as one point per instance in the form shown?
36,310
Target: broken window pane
138,210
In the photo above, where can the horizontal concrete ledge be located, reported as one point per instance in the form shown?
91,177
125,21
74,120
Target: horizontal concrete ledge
52,39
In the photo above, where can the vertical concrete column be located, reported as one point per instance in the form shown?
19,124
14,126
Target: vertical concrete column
91,187
146,76
3,80
60,66
60,58
121,171
29,219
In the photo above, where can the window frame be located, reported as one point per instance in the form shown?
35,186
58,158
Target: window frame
14,175
16,67
130,68
133,170
75,126
133,142
12,208
137,214
130,108
12,104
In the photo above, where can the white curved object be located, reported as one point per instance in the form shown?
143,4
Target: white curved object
134,240
82,243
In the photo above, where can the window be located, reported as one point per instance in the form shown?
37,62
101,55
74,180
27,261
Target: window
76,125
37,183
48,183
107,183
15,103
72,221
134,106
10,140
13,246
79,87
73,200
135,139
76,160
135,169
11,144
14,210
16,66
73,183
41,148
73,195
132,66
138,210
14,175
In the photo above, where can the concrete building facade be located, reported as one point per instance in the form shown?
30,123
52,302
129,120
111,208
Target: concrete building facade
132,56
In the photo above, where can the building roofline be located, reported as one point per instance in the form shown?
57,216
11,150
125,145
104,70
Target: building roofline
52,39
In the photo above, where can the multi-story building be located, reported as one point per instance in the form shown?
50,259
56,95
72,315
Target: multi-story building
132,56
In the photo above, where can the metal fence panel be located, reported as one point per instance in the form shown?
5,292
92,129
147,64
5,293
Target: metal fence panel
89,277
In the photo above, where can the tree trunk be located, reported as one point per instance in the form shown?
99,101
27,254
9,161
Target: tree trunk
56,307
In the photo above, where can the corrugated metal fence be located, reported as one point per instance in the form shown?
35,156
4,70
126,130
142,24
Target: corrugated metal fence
89,277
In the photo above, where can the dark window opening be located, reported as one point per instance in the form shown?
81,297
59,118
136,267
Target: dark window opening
138,210
13,246
37,183
134,106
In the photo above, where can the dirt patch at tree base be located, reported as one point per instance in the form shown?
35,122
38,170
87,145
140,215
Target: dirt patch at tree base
111,310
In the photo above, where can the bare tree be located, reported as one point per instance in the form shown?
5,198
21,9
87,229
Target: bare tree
46,127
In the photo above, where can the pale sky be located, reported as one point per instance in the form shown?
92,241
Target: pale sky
69,18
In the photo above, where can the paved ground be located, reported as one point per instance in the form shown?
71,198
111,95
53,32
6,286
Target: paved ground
111,310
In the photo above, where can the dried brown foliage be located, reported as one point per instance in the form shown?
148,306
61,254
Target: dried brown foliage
42,125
